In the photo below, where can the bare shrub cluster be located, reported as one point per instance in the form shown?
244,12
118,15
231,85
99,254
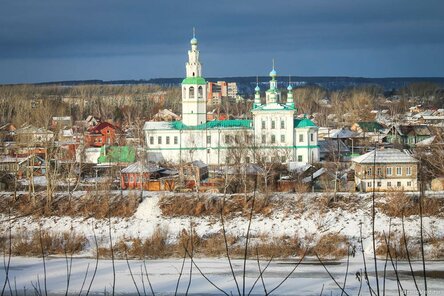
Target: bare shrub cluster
95,206
397,245
398,204
181,205
31,244
331,246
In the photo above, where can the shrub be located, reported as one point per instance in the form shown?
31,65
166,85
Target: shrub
398,204
331,246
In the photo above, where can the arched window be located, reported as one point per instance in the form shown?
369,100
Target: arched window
199,92
193,74
191,92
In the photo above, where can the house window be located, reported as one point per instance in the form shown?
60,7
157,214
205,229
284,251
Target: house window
247,159
379,172
408,171
369,184
273,139
398,184
282,124
151,140
263,139
273,124
369,171
159,140
301,138
208,139
299,158
379,184
283,159
409,184
208,151
175,140
311,137
398,171
167,140
227,139
282,138
389,171
263,124
389,184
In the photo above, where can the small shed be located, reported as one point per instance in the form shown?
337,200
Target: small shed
138,174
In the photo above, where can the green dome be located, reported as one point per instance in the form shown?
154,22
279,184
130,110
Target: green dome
289,87
304,122
257,88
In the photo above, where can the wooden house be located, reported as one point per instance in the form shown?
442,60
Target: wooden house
386,170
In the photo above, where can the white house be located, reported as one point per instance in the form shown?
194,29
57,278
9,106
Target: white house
273,134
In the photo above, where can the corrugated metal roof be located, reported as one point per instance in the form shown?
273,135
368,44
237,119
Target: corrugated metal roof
385,156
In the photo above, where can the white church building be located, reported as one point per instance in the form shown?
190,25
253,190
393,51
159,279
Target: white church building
273,133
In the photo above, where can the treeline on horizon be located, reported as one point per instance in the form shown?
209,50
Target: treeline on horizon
129,104
328,82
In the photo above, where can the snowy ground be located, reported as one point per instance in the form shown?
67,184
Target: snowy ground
307,225
309,278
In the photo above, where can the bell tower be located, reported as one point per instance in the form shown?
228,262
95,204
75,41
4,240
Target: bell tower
194,89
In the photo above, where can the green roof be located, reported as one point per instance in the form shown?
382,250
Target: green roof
300,123
215,124
117,154
194,80
370,126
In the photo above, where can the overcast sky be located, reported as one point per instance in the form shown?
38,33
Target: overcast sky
53,40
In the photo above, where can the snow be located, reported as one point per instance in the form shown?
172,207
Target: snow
309,278
308,224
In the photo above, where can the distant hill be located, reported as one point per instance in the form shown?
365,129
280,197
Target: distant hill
247,84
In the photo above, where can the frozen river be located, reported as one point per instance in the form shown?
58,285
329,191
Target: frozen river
26,275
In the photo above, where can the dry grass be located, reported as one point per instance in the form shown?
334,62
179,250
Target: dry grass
87,206
52,244
398,204
181,205
331,246
397,246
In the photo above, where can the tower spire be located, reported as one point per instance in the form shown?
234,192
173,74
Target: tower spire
257,94
194,32
290,101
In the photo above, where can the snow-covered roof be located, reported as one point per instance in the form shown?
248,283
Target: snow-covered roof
332,145
199,164
137,167
10,159
384,156
426,142
298,167
342,134
157,125
314,176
